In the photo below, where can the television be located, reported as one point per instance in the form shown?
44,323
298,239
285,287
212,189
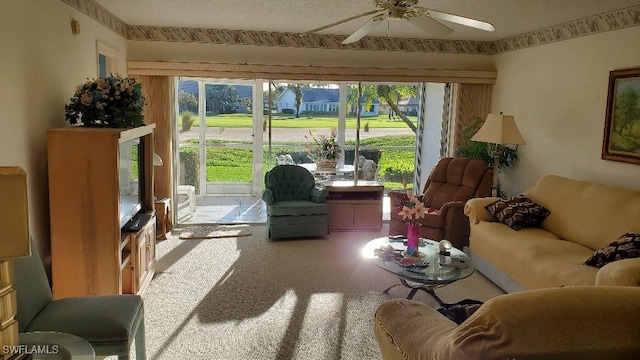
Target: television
131,179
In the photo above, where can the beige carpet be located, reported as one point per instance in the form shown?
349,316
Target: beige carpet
212,231
250,298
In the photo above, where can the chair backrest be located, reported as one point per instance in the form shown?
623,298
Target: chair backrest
457,179
289,182
32,287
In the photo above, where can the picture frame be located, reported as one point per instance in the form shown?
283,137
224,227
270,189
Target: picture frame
621,141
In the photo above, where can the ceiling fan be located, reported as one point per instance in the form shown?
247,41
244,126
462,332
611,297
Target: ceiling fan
421,17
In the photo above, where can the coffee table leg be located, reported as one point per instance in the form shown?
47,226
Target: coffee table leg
414,289
386,291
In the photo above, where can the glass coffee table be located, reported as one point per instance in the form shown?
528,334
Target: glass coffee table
425,278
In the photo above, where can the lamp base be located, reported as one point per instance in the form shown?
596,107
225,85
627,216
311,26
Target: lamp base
496,168
8,310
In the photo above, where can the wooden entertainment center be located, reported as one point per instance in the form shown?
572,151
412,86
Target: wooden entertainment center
91,254
355,205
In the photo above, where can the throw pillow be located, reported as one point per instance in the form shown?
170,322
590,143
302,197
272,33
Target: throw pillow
460,311
518,212
625,247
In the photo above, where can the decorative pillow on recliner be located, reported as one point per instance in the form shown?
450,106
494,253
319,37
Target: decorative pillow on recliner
625,247
518,212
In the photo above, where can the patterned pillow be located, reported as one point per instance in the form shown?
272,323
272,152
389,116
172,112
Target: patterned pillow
460,311
518,212
626,247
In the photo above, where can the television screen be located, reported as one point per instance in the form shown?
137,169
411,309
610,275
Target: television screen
131,178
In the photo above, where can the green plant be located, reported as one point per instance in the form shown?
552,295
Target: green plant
323,146
187,120
113,101
189,159
483,151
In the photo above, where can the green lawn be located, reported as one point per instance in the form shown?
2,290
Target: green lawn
234,165
246,121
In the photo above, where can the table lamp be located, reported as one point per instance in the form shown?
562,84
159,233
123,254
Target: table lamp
14,222
498,130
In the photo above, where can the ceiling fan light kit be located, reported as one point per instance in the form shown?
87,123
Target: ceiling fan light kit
427,20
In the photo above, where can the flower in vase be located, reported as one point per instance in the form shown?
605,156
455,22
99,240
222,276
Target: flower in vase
113,101
413,209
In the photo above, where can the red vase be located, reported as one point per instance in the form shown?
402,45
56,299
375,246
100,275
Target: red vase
412,240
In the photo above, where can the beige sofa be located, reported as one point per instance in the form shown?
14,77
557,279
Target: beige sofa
574,322
584,217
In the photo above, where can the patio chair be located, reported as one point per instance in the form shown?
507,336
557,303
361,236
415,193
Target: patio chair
110,323
295,206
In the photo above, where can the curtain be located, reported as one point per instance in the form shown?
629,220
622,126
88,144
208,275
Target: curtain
417,176
468,101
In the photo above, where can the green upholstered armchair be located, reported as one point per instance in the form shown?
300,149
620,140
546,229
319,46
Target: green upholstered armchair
295,206
110,323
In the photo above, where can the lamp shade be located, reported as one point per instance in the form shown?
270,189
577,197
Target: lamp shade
499,129
14,214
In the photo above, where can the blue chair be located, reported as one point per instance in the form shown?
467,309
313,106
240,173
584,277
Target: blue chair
295,206
110,323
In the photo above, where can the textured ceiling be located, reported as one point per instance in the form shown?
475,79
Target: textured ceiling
510,17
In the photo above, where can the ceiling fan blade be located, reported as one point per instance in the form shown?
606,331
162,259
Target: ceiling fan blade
366,28
341,21
431,26
482,25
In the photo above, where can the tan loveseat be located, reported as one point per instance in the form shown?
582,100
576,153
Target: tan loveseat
575,322
584,217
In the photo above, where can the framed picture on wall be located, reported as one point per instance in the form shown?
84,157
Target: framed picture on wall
622,124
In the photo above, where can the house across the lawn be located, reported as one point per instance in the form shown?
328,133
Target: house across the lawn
319,101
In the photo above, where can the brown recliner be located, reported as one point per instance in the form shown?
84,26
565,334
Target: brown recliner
451,183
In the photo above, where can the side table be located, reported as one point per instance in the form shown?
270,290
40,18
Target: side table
47,345
163,215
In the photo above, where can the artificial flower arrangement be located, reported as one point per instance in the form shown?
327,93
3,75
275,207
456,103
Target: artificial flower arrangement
323,147
413,210
113,101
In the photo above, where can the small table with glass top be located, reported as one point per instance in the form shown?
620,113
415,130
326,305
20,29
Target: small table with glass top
433,276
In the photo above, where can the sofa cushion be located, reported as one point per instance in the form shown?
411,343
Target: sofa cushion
296,208
518,212
533,257
586,213
625,247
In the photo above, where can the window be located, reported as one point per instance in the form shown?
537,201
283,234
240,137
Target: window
107,59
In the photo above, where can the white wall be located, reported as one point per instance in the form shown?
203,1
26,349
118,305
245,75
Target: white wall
557,93
41,63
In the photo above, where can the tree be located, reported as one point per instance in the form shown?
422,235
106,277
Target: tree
297,90
221,99
276,90
390,94
627,111
187,102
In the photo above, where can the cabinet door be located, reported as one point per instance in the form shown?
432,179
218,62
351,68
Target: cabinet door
151,247
340,215
140,264
368,216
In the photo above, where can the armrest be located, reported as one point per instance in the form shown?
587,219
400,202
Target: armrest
621,272
456,224
474,209
409,330
319,195
267,196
